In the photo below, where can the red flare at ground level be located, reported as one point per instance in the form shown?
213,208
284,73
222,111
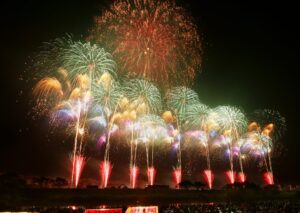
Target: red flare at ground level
230,176
209,178
241,177
177,175
105,170
268,178
78,164
151,172
133,176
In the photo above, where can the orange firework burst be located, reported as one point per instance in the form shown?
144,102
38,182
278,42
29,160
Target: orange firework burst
155,40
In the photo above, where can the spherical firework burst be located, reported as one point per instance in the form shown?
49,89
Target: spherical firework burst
108,97
88,59
233,124
271,122
50,56
256,144
155,40
231,120
178,99
144,95
196,116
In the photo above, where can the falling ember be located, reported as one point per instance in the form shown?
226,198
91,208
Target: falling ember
133,176
209,177
105,169
268,178
78,165
231,176
241,177
151,175
177,175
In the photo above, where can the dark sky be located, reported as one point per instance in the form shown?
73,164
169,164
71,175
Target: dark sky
249,60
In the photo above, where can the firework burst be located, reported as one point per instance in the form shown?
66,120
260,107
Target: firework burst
271,121
145,97
87,59
50,55
196,116
156,40
178,99
233,124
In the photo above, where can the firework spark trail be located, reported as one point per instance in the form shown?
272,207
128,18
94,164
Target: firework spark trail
209,178
105,170
106,166
273,125
133,176
78,164
268,178
82,111
131,158
147,155
233,123
177,176
230,155
241,177
178,100
207,155
75,145
230,176
133,168
151,172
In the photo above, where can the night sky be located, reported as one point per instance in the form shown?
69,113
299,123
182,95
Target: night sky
249,60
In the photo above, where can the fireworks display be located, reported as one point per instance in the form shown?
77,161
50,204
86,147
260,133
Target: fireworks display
81,88
105,170
79,162
155,40
209,177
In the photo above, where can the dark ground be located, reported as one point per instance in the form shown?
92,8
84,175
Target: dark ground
93,197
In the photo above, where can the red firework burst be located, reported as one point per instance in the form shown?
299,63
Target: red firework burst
155,40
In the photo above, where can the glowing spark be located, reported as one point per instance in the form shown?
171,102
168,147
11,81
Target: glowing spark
177,176
241,177
209,177
133,176
268,178
151,175
78,167
230,176
105,170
